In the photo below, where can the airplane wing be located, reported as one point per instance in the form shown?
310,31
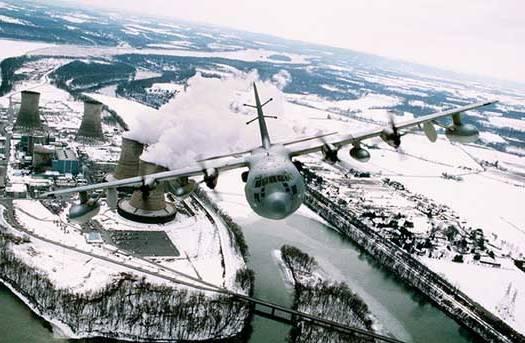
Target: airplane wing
192,170
285,143
341,140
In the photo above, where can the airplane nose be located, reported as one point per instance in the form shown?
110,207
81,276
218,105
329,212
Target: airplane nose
278,204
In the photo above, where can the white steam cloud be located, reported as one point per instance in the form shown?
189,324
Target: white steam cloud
209,119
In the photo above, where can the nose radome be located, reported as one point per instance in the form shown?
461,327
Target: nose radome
279,204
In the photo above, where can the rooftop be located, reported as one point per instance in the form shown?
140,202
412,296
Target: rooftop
66,154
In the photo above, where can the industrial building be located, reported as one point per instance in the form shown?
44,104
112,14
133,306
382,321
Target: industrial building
27,142
66,162
43,156
3,174
16,191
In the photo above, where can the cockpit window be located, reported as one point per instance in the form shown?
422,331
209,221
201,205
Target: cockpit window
263,181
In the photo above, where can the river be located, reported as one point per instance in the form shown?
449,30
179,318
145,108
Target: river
400,310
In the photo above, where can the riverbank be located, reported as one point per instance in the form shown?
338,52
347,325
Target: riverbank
126,307
445,296
317,295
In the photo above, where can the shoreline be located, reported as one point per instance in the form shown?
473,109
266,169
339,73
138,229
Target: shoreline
415,275
63,329
317,294
92,312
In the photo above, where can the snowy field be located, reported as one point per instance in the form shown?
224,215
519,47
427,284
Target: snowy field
247,55
208,119
200,243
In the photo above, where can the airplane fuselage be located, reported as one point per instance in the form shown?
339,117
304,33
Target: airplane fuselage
274,187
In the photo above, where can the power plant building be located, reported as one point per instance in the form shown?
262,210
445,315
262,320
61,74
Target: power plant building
42,157
66,161
91,126
28,118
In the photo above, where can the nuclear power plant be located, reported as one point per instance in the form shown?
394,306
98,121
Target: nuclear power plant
91,126
59,163
28,118
145,206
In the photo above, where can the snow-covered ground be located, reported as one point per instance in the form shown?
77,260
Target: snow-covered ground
248,55
490,198
13,48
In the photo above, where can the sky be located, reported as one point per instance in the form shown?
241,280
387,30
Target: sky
482,37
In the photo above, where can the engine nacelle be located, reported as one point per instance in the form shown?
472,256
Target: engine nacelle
359,154
211,177
112,198
463,133
182,187
330,153
82,213
391,137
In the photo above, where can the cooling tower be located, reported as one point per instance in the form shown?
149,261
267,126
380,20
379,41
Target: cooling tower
128,163
91,126
155,200
150,207
28,117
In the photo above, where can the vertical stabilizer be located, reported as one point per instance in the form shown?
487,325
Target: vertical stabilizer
265,137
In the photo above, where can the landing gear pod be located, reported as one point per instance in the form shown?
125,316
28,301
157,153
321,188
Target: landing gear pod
359,154
461,133
430,131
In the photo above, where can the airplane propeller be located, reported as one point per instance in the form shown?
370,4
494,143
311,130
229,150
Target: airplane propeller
396,136
210,179
147,186
392,136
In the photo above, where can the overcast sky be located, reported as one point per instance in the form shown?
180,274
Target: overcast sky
485,37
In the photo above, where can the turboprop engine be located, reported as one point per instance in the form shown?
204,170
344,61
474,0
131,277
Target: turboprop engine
330,153
85,210
112,198
391,135
182,187
211,176
461,133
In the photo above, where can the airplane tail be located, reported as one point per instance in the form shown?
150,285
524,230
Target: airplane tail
265,137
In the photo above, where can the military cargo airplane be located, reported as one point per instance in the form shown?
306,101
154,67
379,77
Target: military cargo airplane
274,185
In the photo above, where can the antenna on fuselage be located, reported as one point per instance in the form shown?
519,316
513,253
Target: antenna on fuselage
265,137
